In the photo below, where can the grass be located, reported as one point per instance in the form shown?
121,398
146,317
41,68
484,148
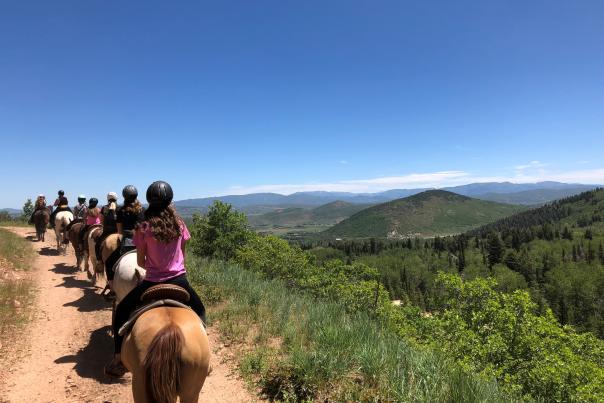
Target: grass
297,348
16,290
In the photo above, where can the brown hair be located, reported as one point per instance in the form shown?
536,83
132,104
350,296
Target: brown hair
94,212
164,222
134,207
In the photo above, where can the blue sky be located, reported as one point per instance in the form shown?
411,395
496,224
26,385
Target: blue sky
242,96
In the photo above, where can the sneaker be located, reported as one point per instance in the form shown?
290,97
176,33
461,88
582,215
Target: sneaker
115,369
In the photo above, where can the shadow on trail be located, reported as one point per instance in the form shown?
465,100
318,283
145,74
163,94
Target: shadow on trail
62,268
90,301
46,251
90,360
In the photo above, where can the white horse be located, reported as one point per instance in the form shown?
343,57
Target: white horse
62,219
127,275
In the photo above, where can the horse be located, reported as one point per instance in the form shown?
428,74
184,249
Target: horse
41,220
111,244
78,246
62,219
90,238
167,350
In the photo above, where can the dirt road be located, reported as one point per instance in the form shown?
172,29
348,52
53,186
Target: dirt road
68,342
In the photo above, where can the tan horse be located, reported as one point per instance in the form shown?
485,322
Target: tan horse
92,235
41,220
167,350
78,246
62,219
108,247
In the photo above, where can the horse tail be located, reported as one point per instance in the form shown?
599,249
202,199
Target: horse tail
162,365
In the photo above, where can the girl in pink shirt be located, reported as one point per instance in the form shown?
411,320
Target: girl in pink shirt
160,247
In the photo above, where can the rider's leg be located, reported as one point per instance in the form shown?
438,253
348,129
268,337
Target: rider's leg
194,301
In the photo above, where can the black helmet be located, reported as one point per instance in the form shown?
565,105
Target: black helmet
159,194
130,193
93,202
61,193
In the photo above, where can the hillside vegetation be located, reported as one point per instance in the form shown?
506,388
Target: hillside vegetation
327,329
434,212
328,214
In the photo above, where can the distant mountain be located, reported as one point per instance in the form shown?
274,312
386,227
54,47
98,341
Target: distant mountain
430,213
478,189
327,214
260,203
12,211
534,197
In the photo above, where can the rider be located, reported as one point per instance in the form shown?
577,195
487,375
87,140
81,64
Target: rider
61,204
128,216
92,217
39,205
160,246
108,221
79,212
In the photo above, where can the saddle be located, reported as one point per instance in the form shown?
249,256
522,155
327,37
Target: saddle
154,297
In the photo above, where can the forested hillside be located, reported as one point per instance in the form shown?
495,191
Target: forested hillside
434,212
324,326
554,252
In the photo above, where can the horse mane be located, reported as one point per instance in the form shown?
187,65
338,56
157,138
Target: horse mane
162,365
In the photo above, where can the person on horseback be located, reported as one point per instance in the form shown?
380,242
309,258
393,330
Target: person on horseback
160,246
108,216
79,212
128,217
39,205
93,214
61,204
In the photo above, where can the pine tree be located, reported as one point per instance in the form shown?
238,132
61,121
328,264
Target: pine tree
495,249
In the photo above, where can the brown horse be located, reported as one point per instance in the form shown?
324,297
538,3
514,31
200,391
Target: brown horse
167,350
41,220
92,235
78,246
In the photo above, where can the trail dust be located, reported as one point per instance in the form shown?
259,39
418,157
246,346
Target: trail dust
68,342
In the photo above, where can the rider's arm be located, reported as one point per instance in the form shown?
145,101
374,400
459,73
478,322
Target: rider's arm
140,255
120,228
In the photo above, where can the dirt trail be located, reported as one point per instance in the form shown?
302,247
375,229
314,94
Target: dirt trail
69,342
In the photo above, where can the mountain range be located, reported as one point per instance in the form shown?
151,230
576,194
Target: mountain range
504,192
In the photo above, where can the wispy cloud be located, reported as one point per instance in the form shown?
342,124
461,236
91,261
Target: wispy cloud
530,165
427,180
343,162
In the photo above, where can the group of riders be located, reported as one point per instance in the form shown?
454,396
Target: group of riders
157,233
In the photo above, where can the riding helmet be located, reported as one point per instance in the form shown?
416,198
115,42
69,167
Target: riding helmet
61,193
130,193
159,194
111,196
41,196
81,198
92,203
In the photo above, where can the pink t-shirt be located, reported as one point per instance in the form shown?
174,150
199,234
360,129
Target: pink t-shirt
92,220
163,260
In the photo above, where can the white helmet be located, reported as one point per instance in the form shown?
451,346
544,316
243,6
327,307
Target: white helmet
41,196
111,196
81,197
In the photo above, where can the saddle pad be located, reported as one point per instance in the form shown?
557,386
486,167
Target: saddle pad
165,291
136,314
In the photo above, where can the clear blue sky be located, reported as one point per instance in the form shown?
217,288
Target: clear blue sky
237,96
